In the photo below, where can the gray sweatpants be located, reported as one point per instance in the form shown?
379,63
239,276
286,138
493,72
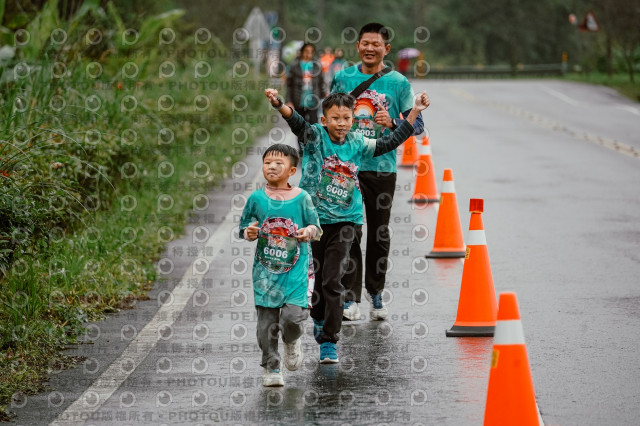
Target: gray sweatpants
289,320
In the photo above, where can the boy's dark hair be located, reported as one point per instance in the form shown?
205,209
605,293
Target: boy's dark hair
308,44
374,27
285,150
338,99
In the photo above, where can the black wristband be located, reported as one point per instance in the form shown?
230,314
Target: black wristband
279,107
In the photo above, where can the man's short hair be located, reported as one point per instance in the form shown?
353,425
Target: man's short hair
285,150
339,99
374,27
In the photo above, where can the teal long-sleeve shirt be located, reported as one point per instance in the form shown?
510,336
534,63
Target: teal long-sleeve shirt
330,168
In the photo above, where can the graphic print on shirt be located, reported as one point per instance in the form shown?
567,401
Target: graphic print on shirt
278,249
307,79
307,84
367,104
337,181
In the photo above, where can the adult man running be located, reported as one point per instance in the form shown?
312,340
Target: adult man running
377,112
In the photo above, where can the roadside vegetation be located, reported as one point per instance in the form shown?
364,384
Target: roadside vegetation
106,137
618,81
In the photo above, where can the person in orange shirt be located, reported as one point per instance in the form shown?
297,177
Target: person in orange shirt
326,59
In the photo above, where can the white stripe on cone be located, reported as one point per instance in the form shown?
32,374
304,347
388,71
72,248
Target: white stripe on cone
424,149
476,238
448,187
508,332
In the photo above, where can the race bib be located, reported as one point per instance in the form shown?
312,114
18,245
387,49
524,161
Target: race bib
367,106
369,128
336,188
277,252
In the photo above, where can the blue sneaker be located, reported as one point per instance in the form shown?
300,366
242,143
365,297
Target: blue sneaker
378,311
328,353
317,329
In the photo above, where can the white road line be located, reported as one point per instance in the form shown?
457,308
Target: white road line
110,380
559,95
629,108
550,124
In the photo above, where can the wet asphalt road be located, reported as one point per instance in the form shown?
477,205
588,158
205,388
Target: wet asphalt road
556,165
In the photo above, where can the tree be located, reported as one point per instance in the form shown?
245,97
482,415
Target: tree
624,18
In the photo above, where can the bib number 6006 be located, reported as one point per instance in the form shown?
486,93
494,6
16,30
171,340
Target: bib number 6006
282,254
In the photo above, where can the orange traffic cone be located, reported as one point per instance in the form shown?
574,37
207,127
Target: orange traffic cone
510,398
477,308
409,152
448,242
425,190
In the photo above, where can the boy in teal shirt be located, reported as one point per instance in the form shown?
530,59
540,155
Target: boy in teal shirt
332,157
282,219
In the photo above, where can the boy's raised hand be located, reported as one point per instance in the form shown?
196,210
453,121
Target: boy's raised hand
252,231
422,101
272,95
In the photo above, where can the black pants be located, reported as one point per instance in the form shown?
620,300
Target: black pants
309,114
377,196
330,259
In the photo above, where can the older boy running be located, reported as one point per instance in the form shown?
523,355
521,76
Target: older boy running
332,157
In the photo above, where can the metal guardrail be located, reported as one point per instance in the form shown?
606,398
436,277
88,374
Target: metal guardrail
490,71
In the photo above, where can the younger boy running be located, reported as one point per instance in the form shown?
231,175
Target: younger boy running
332,157
282,218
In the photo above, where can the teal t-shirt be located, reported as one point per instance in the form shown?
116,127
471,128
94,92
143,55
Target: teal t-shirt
329,174
391,92
281,266
306,97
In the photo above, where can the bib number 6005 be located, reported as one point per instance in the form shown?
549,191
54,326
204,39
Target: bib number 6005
341,192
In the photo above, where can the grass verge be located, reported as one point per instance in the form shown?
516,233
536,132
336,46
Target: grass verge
619,82
99,168
104,263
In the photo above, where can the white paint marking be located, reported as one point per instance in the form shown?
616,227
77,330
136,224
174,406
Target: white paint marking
113,377
629,108
559,95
